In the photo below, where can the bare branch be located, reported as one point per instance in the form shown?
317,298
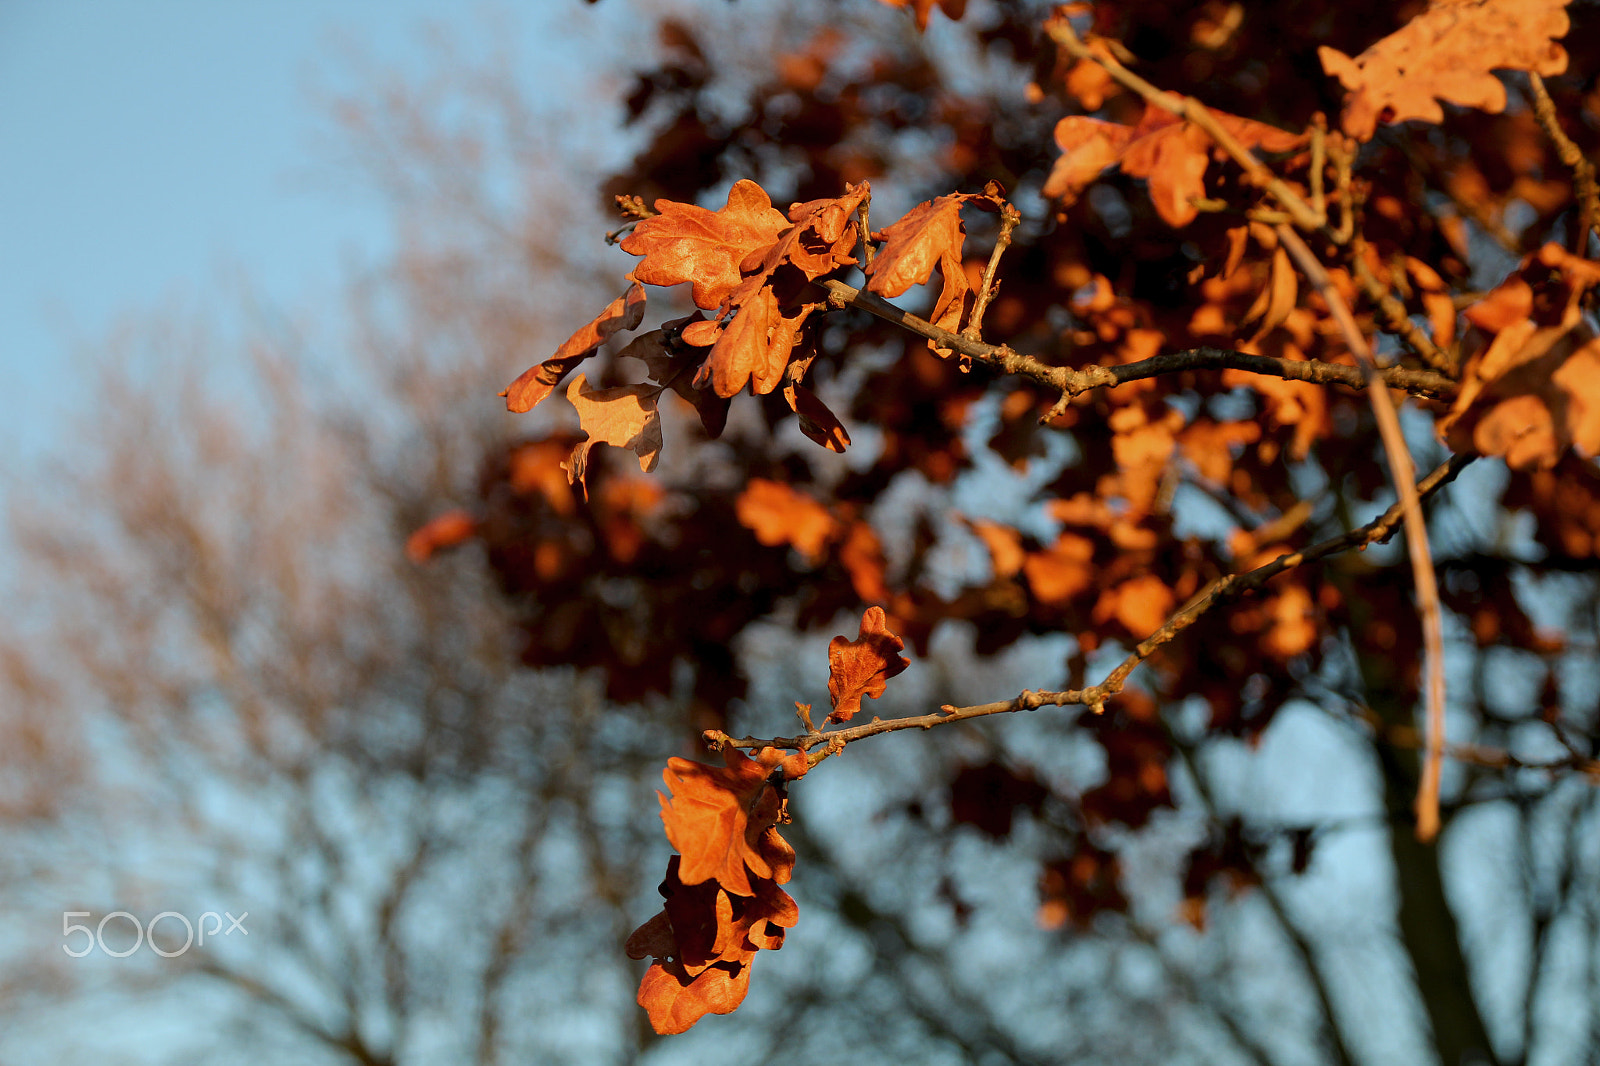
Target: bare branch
1403,474
1217,592
1073,382
1544,109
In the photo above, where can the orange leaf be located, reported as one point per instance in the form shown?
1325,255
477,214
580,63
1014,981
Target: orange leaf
719,819
623,417
816,421
915,244
1171,154
862,667
1139,604
703,924
1004,544
673,365
689,243
778,514
861,555
746,348
820,241
1277,299
1529,397
1534,390
1088,146
1061,571
675,1001
1446,53
539,381
443,531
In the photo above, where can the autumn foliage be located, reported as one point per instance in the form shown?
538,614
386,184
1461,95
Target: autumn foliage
1173,265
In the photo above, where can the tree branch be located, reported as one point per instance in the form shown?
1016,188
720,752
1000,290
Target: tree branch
1073,382
1403,473
1544,109
1219,591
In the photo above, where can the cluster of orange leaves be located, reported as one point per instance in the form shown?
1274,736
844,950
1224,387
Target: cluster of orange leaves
752,266
1529,391
723,902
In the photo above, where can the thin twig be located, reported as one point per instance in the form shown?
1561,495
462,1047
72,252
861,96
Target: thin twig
1544,109
1394,314
1402,471
1009,217
1222,589
867,250
1072,382
1484,755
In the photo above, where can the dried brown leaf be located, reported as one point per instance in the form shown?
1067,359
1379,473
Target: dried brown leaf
1447,53
862,667
689,243
718,819
539,381
779,514
816,421
623,417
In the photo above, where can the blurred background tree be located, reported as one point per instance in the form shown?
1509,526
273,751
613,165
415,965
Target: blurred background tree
429,777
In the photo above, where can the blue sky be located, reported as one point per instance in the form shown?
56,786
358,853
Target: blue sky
154,149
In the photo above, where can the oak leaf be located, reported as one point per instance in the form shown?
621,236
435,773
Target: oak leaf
1170,153
861,555
821,240
1447,53
930,236
1275,302
540,380
623,417
702,924
1140,604
755,344
862,667
675,1001
816,421
1531,395
1004,544
1533,391
689,243
1061,571
720,820
779,514
673,365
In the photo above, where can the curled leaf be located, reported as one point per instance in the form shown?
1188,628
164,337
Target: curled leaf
675,1001
816,421
540,380
718,819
